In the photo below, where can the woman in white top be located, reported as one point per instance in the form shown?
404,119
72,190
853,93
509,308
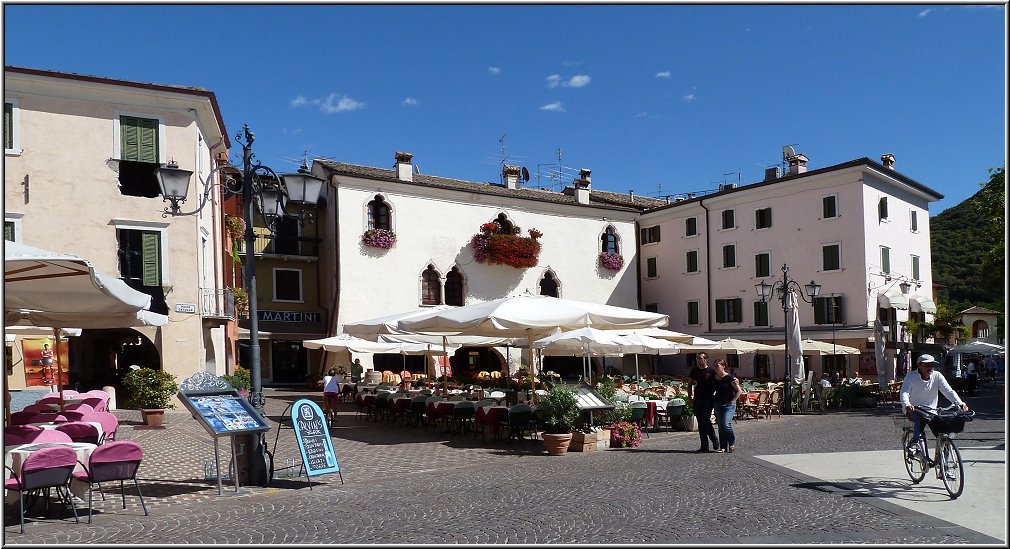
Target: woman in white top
920,388
331,390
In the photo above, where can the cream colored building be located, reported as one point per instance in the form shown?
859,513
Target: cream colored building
79,159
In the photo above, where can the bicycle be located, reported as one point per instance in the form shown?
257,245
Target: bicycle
946,457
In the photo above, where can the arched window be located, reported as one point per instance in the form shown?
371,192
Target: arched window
980,328
454,287
431,287
504,225
609,241
549,285
378,214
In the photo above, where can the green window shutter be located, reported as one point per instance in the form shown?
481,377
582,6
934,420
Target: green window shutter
9,231
138,139
152,264
8,120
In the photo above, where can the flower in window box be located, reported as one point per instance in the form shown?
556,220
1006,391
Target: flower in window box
379,238
506,249
535,234
614,262
488,228
241,302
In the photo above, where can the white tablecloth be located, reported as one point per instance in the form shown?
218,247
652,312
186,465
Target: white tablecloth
14,457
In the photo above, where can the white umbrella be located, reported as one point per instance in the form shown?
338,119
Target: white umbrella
821,348
794,340
43,288
529,315
880,352
980,347
730,346
586,342
652,345
667,335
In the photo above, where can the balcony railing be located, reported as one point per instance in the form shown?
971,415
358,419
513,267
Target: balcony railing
283,245
217,303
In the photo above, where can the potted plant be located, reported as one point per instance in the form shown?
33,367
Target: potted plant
625,434
559,410
686,421
150,391
379,238
240,380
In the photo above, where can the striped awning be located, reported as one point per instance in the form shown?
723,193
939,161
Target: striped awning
919,303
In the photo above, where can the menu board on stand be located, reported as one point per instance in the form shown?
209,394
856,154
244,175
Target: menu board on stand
314,440
224,413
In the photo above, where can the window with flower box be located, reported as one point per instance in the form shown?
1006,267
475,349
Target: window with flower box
379,214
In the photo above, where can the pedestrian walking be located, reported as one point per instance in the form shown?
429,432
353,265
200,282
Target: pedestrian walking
727,391
701,391
972,377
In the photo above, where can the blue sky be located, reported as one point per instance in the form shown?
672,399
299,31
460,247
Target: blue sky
662,99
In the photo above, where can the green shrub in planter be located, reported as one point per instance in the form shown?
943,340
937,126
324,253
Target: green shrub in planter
559,410
150,389
241,379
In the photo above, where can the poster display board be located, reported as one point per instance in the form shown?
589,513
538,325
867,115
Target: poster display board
40,361
223,412
313,437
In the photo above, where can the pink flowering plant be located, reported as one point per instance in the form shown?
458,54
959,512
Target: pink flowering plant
379,238
625,434
611,261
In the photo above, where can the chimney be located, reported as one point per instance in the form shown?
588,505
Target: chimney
797,164
887,160
583,185
404,169
511,176
631,193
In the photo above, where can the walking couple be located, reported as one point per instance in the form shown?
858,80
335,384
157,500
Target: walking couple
714,389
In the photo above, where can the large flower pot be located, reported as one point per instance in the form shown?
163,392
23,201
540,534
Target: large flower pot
153,417
557,444
686,423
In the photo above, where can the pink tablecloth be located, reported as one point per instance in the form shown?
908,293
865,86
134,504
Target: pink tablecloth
492,415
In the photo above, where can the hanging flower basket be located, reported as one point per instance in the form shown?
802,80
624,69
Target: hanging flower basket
241,302
614,262
506,249
379,238
235,226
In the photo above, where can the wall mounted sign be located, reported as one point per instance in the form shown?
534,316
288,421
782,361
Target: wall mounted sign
185,308
313,437
289,316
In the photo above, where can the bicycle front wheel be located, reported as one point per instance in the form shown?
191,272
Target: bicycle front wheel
951,468
915,465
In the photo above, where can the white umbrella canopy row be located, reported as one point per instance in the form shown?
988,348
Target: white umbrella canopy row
980,347
821,348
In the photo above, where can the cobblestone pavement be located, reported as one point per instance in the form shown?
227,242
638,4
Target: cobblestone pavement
404,484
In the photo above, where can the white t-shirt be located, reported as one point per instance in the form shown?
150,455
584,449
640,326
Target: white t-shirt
825,383
972,368
331,384
917,392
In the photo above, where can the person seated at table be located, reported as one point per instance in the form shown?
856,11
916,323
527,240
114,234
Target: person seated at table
854,379
838,377
824,382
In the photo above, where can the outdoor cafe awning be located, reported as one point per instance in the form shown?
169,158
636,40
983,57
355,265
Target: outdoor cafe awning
919,303
896,301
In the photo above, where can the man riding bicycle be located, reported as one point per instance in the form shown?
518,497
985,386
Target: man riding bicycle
920,388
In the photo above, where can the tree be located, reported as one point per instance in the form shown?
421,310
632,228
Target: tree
989,205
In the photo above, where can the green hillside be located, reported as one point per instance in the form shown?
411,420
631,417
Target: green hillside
968,248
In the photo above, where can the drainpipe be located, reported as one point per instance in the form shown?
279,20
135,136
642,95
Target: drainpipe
708,268
638,263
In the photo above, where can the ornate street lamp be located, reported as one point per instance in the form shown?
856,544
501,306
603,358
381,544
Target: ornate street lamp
764,291
271,194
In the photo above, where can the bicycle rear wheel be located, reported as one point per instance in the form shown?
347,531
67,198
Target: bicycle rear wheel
951,469
915,465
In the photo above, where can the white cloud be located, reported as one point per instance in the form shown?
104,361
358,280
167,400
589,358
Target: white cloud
642,114
410,102
689,97
925,12
334,104
577,81
663,74
493,71
298,101
553,107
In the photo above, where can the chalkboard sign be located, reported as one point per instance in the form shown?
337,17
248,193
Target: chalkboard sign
313,438
223,412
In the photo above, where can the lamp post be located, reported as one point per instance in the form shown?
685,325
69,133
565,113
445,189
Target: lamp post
271,194
783,286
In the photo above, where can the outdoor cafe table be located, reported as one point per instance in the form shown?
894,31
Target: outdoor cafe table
14,457
651,407
50,426
492,415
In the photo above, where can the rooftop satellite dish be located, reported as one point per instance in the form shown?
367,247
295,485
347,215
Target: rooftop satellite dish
526,174
788,152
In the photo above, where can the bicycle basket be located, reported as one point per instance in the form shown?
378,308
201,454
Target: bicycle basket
947,424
